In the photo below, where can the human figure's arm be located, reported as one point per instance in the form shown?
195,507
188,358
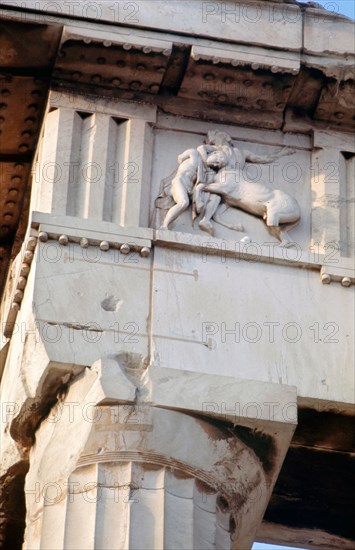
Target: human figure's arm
185,155
206,150
266,159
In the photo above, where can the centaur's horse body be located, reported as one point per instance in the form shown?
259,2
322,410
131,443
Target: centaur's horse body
279,210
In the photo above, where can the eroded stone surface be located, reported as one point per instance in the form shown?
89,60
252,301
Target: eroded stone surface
120,426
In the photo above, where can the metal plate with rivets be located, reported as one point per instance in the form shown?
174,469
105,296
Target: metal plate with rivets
27,53
114,67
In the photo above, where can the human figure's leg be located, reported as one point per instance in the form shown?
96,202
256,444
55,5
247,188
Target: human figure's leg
211,207
181,198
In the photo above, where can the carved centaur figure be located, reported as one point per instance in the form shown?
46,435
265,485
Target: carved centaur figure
278,209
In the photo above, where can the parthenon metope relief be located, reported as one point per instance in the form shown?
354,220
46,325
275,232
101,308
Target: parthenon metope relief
211,176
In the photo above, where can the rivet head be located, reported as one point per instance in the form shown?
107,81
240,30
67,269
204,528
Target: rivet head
18,296
222,97
15,306
25,269
30,120
63,240
247,83
154,88
209,77
43,237
104,245
84,242
116,81
326,278
28,257
145,251
21,283
346,281
127,46
125,249
31,243
339,115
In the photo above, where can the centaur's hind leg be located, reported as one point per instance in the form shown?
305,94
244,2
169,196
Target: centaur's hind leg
273,219
217,217
279,234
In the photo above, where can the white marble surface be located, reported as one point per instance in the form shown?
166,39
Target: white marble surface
312,334
129,442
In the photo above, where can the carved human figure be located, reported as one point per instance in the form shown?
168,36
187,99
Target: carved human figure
190,164
192,170
278,209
